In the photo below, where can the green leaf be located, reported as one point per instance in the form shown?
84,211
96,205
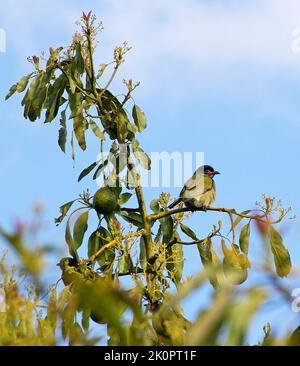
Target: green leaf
189,232
125,264
139,118
80,227
72,146
133,218
36,96
154,205
100,169
96,130
281,255
167,226
205,252
140,155
72,84
79,61
93,244
87,170
96,241
234,258
122,122
101,70
79,129
64,210
235,264
11,91
55,93
240,315
79,122
20,86
62,135
124,197
70,241
294,338
244,238
239,219
209,258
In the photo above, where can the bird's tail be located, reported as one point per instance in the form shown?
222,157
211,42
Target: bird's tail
175,203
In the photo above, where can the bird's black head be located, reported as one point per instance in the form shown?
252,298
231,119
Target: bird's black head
209,170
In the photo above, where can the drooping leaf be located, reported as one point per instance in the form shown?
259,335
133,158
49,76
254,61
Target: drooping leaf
96,130
70,241
189,232
79,122
209,258
54,94
79,61
139,118
80,227
36,96
62,135
72,84
235,264
87,170
72,146
140,155
234,258
244,238
122,122
281,255
167,226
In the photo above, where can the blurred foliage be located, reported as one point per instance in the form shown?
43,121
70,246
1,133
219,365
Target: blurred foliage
128,241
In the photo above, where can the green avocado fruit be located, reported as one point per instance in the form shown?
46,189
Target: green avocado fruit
105,200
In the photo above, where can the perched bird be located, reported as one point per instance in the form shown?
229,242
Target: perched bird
200,190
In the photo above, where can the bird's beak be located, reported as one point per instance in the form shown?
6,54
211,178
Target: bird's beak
215,172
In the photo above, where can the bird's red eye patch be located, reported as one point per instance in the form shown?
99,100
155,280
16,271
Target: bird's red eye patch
209,172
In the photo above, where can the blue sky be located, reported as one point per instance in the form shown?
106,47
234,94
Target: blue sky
218,77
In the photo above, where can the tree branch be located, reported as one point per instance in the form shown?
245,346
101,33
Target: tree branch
229,211
113,242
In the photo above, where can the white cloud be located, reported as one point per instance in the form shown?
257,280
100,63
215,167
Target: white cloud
175,42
